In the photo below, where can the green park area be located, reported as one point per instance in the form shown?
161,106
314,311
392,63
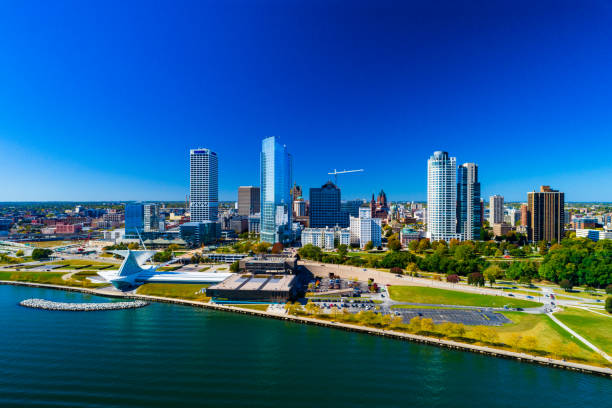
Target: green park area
186,291
50,244
82,264
596,328
52,278
418,294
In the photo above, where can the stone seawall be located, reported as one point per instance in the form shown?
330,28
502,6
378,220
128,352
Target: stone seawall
490,351
80,307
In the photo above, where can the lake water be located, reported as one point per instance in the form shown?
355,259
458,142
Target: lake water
167,355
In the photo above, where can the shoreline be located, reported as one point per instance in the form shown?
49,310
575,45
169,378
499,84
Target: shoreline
490,351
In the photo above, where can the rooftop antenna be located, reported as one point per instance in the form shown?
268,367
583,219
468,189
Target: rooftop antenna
336,172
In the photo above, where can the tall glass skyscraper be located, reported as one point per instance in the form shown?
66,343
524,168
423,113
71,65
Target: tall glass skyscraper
442,197
134,220
468,202
276,179
204,185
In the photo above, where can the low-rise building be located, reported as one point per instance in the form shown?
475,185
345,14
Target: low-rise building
593,235
248,287
501,229
408,235
364,228
269,263
200,233
326,238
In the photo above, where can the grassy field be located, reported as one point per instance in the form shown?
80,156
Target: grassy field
83,263
595,328
50,244
581,294
174,290
169,268
417,294
53,278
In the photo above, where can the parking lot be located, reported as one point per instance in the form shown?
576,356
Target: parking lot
468,317
352,305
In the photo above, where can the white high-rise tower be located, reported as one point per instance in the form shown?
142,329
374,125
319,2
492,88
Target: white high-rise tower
496,209
442,197
204,185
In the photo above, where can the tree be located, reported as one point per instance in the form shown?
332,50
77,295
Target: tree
566,285
543,247
453,278
529,343
609,304
173,247
396,270
19,253
394,244
415,324
41,253
342,250
424,245
515,340
476,279
369,245
484,334
235,266
492,273
133,245
162,256
277,248
609,289
312,308
427,325
261,247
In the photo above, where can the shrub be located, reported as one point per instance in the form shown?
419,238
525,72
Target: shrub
566,285
609,304
453,278
609,289
396,270
41,253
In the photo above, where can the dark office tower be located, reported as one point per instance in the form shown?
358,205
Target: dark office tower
134,220
325,207
546,215
248,200
469,209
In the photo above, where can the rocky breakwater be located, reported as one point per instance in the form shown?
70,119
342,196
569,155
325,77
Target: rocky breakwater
80,307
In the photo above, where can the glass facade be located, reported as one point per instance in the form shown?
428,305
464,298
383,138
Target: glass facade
204,185
276,179
468,202
325,208
134,220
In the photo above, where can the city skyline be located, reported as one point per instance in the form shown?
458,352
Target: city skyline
504,94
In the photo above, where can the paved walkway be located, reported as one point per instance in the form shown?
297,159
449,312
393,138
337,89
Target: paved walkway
579,337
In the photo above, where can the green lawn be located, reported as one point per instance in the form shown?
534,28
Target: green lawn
53,278
595,328
174,290
418,294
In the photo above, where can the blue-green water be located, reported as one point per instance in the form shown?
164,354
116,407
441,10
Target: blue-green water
174,356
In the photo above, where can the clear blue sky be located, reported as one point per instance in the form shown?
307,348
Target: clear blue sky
102,100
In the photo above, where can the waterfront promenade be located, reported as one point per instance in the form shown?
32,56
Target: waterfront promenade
343,326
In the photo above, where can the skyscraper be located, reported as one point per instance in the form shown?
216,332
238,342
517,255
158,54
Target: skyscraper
545,215
204,185
364,228
248,200
496,209
442,197
134,220
276,178
468,202
325,210
151,217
